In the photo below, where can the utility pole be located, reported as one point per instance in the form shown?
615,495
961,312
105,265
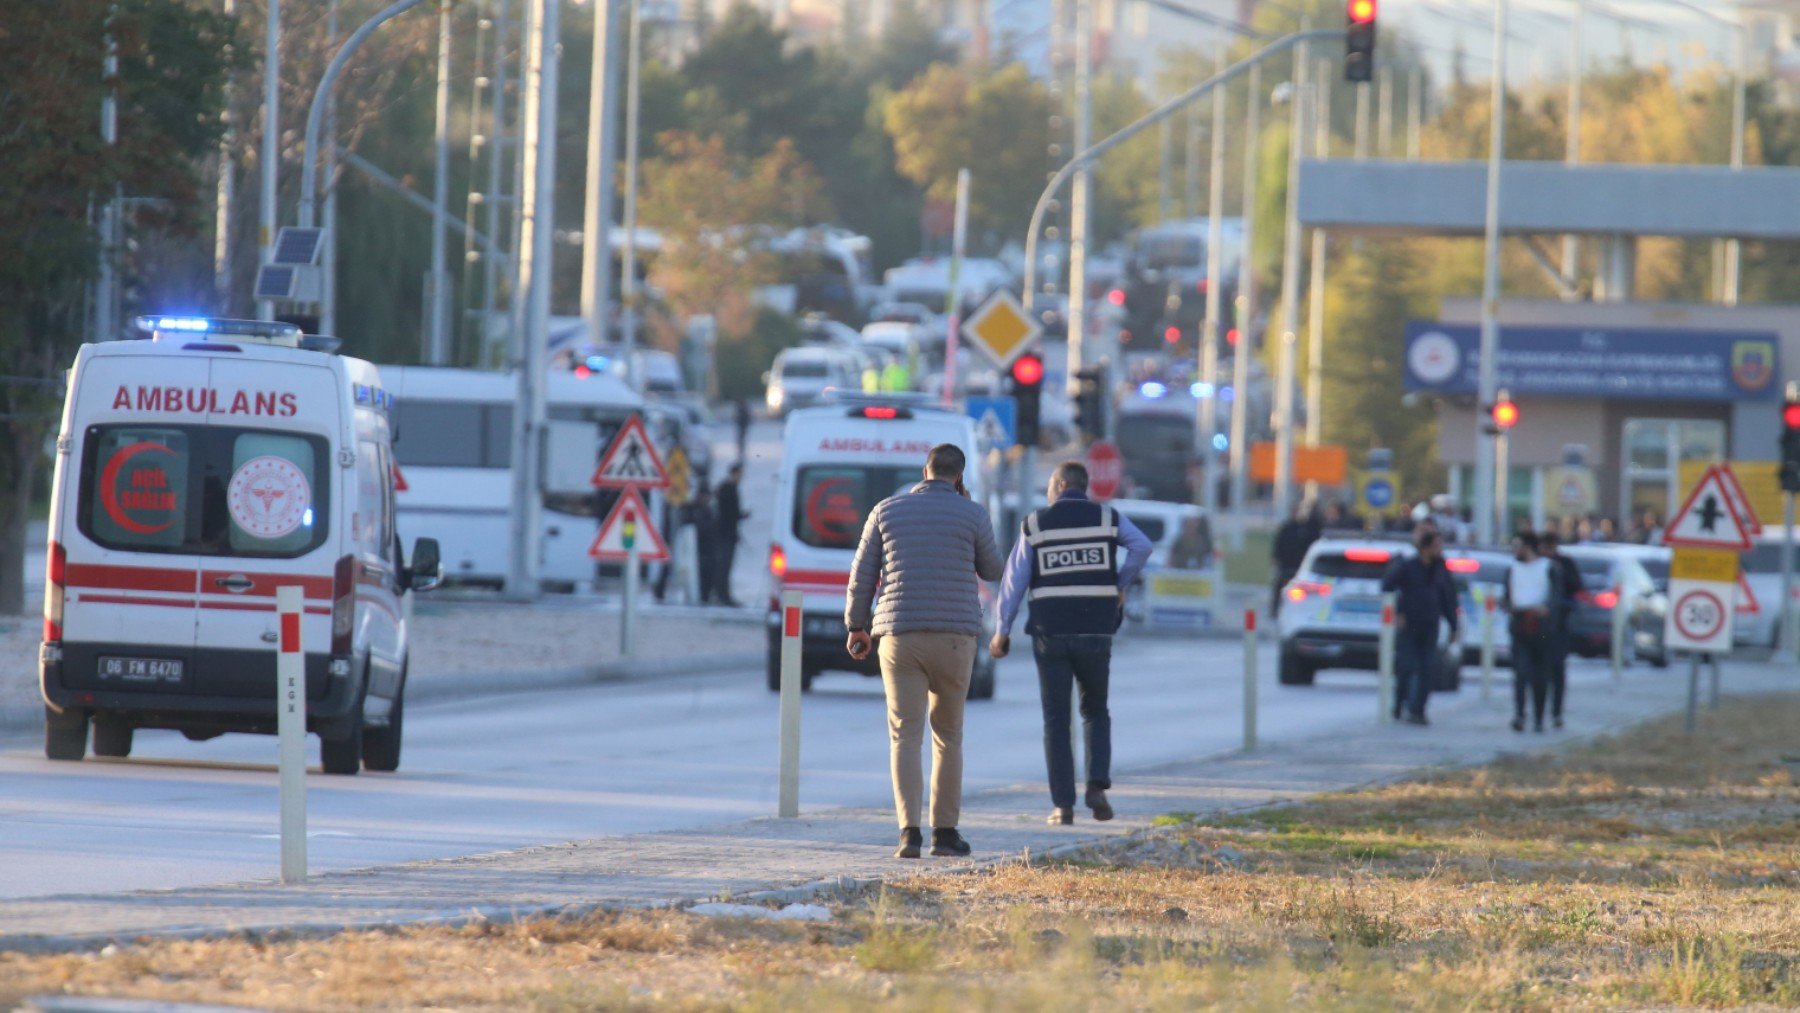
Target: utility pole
1487,508
1290,288
1415,113
437,352
1384,111
1734,247
226,193
106,284
1362,120
628,289
1165,170
271,145
1215,272
1315,329
1190,201
329,156
536,250
1078,211
1571,244
1246,303
596,228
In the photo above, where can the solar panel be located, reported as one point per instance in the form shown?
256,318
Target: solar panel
275,281
297,246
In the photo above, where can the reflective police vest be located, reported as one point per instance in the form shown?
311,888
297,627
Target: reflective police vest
1074,545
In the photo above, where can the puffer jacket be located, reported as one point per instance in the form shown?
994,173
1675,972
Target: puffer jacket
925,549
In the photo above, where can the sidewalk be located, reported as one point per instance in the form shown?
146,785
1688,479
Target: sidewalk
826,849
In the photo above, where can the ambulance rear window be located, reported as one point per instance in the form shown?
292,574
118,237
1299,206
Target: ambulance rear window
831,501
204,490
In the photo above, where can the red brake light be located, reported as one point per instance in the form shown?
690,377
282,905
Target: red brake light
1200,286
582,372
777,560
1116,297
56,567
1462,565
880,413
1231,336
1172,335
1299,589
1367,555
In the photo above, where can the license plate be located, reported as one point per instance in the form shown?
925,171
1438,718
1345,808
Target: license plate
1357,612
141,669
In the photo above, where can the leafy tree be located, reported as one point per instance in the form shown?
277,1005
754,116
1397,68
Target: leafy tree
56,168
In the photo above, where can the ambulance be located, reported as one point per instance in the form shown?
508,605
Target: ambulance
837,462
198,469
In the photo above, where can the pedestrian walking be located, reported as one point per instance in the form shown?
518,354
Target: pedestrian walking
1424,596
1067,563
1292,539
927,550
742,410
706,543
1565,584
1529,599
730,515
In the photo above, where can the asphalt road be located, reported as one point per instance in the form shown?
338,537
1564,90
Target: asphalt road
541,768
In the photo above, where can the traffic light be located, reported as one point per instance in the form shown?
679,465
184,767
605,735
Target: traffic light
1790,443
1090,402
1026,385
1506,414
1359,41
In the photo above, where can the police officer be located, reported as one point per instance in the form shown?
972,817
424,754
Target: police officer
1067,562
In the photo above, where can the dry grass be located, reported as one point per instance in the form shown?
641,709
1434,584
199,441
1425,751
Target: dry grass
1646,871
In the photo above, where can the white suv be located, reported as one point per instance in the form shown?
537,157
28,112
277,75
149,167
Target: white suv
1331,612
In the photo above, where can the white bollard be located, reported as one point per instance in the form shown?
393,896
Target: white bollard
290,728
628,612
791,618
1249,678
1385,659
1488,605
1619,633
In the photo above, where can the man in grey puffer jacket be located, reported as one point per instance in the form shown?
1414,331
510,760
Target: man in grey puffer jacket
925,550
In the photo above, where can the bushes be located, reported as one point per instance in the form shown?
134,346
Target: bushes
741,362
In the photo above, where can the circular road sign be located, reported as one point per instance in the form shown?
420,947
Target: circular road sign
1698,614
1106,470
1378,493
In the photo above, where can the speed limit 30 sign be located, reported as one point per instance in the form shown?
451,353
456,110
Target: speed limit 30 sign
1699,617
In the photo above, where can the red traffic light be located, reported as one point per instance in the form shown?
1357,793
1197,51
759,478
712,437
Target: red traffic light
1506,414
1790,415
1362,12
1028,370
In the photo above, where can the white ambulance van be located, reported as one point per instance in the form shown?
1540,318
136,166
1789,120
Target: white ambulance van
837,462
197,470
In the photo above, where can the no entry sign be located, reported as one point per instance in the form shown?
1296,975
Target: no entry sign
1106,470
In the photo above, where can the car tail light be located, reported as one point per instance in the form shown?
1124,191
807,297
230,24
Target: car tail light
1300,589
777,560
1367,555
1200,286
1463,565
1600,599
56,575
343,605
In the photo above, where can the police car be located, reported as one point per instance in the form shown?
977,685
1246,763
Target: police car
1331,613
198,470
837,462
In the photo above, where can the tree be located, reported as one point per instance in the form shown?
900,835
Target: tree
994,122
56,168
710,207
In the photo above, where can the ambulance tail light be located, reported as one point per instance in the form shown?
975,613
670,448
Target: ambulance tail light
55,579
1300,590
343,605
777,560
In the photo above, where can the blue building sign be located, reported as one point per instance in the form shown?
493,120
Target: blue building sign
1649,363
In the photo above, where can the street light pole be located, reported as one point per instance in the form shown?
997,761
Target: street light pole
1215,277
1078,209
437,351
1571,244
227,188
1733,247
1246,303
1487,508
1315,331
106,282
596,229
1290,290
328,248
628,288
271,145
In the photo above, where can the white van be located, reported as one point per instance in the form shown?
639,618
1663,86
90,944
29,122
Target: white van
804,376
197,471
454,445
837,462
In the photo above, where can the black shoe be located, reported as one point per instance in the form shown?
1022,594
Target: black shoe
910,840
1061,817
947,843
1415,719
1096,800
1518,723
1557,720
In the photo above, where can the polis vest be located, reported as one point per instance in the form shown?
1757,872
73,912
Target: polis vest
1074,546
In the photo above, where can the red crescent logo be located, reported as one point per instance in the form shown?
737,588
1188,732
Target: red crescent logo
109,491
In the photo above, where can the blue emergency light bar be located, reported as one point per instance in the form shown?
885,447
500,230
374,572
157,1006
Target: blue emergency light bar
266,330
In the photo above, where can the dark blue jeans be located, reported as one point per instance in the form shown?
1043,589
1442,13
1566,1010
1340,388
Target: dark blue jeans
1065,661
1415,669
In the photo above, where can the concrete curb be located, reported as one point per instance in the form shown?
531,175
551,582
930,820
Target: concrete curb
25,717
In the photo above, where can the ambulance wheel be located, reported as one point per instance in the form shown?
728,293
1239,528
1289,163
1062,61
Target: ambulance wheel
1291,671
981,682
342,752
381,746
112,737
65,734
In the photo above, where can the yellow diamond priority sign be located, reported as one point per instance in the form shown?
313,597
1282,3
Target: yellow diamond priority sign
1002,329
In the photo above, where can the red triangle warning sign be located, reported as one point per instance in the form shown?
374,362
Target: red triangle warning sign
1747,604
632,460
1709,517
629,516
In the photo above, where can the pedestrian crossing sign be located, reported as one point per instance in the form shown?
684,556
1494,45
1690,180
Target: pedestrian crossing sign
632,460
629,521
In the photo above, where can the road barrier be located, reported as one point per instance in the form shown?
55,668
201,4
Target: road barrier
1488,606
791,619
1385,656
290,729
1249,679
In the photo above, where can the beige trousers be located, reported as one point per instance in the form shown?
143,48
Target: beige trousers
926,676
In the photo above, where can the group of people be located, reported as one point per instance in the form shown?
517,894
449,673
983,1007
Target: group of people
1539,598
927,551
717,516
